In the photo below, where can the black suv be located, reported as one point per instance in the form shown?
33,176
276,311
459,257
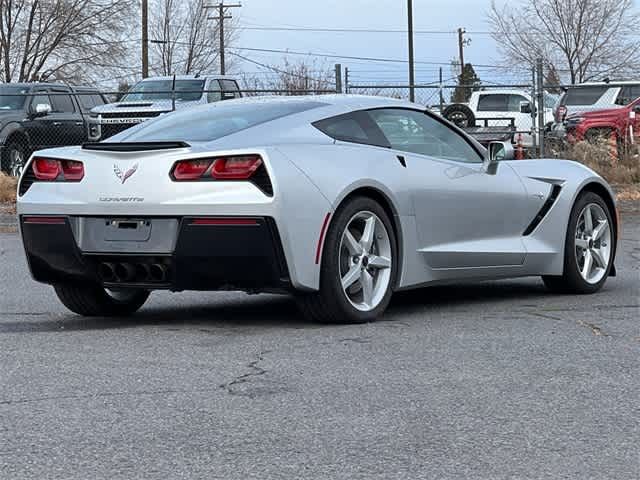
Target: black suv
34,116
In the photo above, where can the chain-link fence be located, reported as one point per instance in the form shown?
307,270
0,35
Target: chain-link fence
38,116
540,120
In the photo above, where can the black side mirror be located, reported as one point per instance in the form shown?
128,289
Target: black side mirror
525,107
636,108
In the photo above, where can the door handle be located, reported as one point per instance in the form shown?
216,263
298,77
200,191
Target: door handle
79,124
57,124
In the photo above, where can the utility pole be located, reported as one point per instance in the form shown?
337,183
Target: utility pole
412,82
221,18
338,78
461,44
540,109
145,39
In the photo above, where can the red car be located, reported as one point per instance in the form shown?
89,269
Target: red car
619,125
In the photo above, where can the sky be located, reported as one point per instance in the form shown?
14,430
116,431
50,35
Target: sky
430,48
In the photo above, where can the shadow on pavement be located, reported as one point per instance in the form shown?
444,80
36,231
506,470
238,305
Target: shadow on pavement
271,311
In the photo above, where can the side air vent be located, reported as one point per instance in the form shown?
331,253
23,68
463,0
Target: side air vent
555,192
27,180
261,180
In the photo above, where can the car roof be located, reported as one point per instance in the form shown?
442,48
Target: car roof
188,77
611,84
346,101
36,84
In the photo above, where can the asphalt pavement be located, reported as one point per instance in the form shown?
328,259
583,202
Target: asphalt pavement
485,381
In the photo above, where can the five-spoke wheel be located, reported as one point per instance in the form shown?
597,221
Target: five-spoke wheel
589,247
358,268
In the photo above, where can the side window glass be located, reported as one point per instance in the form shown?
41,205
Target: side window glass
416,132
40,99
514,102
354,127
493,103
214,92
62,103
628,94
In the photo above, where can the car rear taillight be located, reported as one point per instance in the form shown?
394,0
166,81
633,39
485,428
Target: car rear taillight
46,169
51,169
190,170
220,168
235,168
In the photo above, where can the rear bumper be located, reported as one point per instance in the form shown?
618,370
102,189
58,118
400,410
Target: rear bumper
218,254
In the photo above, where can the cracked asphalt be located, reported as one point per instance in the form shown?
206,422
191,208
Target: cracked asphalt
486,381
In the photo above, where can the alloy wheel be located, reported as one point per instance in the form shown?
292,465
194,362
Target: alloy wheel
365,261
593,243
16,162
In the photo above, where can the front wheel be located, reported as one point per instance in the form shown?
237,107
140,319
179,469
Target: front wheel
14,158
358,266
96,301
589,248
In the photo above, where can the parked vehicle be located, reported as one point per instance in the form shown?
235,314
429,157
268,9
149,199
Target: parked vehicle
592,96
497,110
152,97
34,116
339,200
620,126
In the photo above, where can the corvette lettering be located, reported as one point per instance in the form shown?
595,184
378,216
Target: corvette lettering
122,199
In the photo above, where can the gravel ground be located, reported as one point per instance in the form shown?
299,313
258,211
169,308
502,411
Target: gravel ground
487,381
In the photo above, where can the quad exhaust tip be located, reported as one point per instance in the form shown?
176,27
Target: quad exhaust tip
125,272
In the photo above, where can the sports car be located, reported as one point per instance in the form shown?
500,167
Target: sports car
339,200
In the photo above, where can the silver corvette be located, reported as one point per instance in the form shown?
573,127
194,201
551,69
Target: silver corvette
339,200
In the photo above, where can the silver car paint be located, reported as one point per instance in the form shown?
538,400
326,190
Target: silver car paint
455,220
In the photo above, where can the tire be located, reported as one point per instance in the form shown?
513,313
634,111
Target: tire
461,115
14,158
578,251
95,301
377,268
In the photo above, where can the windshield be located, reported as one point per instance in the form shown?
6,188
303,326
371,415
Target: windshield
211,122
186,90
12,98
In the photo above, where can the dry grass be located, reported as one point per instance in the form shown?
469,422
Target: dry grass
603,158
8,187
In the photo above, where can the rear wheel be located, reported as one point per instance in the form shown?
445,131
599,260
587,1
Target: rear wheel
358,266
96,301
589,248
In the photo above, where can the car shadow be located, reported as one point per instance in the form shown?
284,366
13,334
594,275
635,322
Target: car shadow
263,312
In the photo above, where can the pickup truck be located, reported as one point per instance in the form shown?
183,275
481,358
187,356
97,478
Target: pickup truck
504,111
155,96
620,125
34,116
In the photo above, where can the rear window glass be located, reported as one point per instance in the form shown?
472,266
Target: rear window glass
628,94
88,101
211,122
583,95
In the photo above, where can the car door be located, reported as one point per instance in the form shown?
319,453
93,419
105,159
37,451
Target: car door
38,127
466,215
68,123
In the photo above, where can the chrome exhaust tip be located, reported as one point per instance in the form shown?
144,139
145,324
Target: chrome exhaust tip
125,272
106,272
158,272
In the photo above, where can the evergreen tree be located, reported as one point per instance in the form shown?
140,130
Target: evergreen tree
468,82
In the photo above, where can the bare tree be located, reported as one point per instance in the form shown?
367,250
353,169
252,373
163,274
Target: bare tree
293,78
581,39
62,39
186,41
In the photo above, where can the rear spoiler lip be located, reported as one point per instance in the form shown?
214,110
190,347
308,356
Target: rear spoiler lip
133,146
